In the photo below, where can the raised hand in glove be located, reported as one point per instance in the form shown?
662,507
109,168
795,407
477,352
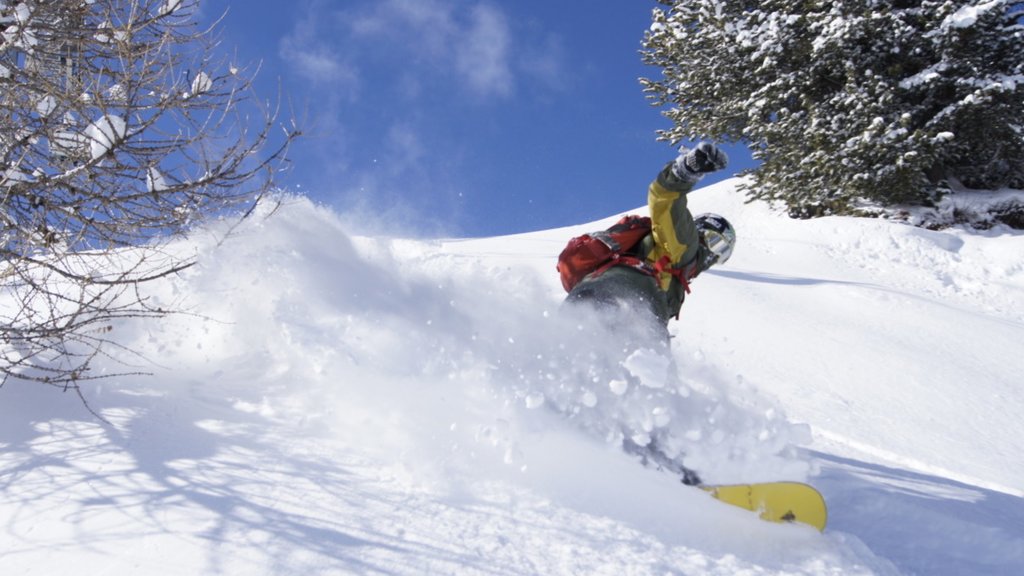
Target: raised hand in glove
693,164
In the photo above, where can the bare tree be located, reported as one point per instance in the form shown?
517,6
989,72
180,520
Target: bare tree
118,131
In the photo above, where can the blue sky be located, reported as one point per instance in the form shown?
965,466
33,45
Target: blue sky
461,117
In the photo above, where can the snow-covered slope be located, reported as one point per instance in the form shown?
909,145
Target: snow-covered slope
345,404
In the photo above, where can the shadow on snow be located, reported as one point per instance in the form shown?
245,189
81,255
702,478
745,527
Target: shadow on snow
924,524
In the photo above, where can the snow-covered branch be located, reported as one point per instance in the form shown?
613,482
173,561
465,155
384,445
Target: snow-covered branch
119,127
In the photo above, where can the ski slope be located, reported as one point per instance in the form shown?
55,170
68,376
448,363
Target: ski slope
344,403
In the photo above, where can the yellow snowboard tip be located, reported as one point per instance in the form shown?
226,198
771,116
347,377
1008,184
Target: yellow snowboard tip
777,501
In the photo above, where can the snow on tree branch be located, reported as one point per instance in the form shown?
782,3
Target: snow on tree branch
843,104
119,129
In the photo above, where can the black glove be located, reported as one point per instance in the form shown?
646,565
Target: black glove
706,157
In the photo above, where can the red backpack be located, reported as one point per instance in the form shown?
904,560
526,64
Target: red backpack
598,251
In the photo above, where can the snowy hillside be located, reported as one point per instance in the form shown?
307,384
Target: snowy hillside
343,404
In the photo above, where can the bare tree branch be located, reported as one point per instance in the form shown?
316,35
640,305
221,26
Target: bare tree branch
119,131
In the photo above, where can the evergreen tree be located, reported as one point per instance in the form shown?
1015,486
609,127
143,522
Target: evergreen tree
848,100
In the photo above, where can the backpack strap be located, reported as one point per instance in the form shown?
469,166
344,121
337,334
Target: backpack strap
625,260
664,265
684,274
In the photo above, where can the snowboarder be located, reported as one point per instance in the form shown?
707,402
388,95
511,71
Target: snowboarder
678,248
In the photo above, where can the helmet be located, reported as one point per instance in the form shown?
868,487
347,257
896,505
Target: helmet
717,235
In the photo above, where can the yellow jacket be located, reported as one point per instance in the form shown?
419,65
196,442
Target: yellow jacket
672,245
673,232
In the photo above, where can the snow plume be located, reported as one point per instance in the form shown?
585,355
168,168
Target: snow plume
453,361
340,404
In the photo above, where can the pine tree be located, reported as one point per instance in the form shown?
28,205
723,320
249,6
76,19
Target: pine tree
885,101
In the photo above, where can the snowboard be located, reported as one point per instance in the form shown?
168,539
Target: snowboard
776,501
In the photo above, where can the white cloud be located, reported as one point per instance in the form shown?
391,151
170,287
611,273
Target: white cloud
426,26
473,46
314,58
469,41
544,61
405,147
483,56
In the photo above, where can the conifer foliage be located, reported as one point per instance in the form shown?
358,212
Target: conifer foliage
884,101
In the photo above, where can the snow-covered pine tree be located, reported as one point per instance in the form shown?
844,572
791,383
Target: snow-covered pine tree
847,100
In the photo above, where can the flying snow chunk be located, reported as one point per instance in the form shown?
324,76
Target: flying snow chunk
534,401
589,399
662,417
650,367
641,439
